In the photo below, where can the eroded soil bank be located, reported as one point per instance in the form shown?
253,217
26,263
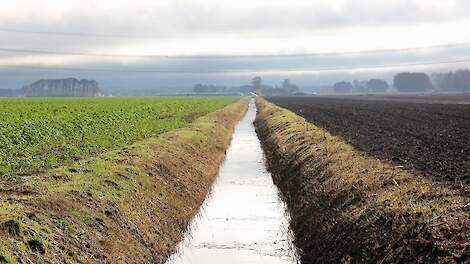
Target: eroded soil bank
348,207
126,206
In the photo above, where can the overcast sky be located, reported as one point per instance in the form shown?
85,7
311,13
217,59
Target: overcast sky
229,28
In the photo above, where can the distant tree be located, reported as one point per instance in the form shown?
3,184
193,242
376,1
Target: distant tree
343,87
458,81
461,80
377,85
288,87
257,84
412,82
286,84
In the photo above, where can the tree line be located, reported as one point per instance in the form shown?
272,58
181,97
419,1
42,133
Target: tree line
373,85
68,87
457,81
256,86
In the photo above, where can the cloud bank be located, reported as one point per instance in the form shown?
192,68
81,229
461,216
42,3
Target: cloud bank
210,27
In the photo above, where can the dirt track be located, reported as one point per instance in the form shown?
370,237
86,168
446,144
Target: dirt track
431,138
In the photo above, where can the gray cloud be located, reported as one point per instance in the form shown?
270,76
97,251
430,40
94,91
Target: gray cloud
189,20
186,18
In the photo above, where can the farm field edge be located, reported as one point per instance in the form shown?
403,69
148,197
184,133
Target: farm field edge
349,207
37,134
129,205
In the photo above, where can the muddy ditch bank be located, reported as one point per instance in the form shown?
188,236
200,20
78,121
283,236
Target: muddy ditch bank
131,205
348,207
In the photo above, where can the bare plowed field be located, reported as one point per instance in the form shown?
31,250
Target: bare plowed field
431,138
348,207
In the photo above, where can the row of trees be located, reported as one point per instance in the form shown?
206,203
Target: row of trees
458,81
68,87
373,85
403,82
62,87
286,88
257,86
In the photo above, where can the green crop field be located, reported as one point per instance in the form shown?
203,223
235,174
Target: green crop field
40,133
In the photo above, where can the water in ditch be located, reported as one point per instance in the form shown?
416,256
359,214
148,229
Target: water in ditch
243,220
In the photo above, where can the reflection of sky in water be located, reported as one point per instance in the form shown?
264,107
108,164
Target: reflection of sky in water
243,220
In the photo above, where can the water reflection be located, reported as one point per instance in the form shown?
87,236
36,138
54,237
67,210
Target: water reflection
243,220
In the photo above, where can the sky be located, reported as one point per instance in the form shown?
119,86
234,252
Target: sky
177,43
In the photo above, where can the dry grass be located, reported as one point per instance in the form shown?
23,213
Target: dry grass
349,207
127,206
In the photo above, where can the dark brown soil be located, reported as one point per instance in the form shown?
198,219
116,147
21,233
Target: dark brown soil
428,137
348,207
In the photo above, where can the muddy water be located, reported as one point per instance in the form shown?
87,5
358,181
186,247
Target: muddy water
243,220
